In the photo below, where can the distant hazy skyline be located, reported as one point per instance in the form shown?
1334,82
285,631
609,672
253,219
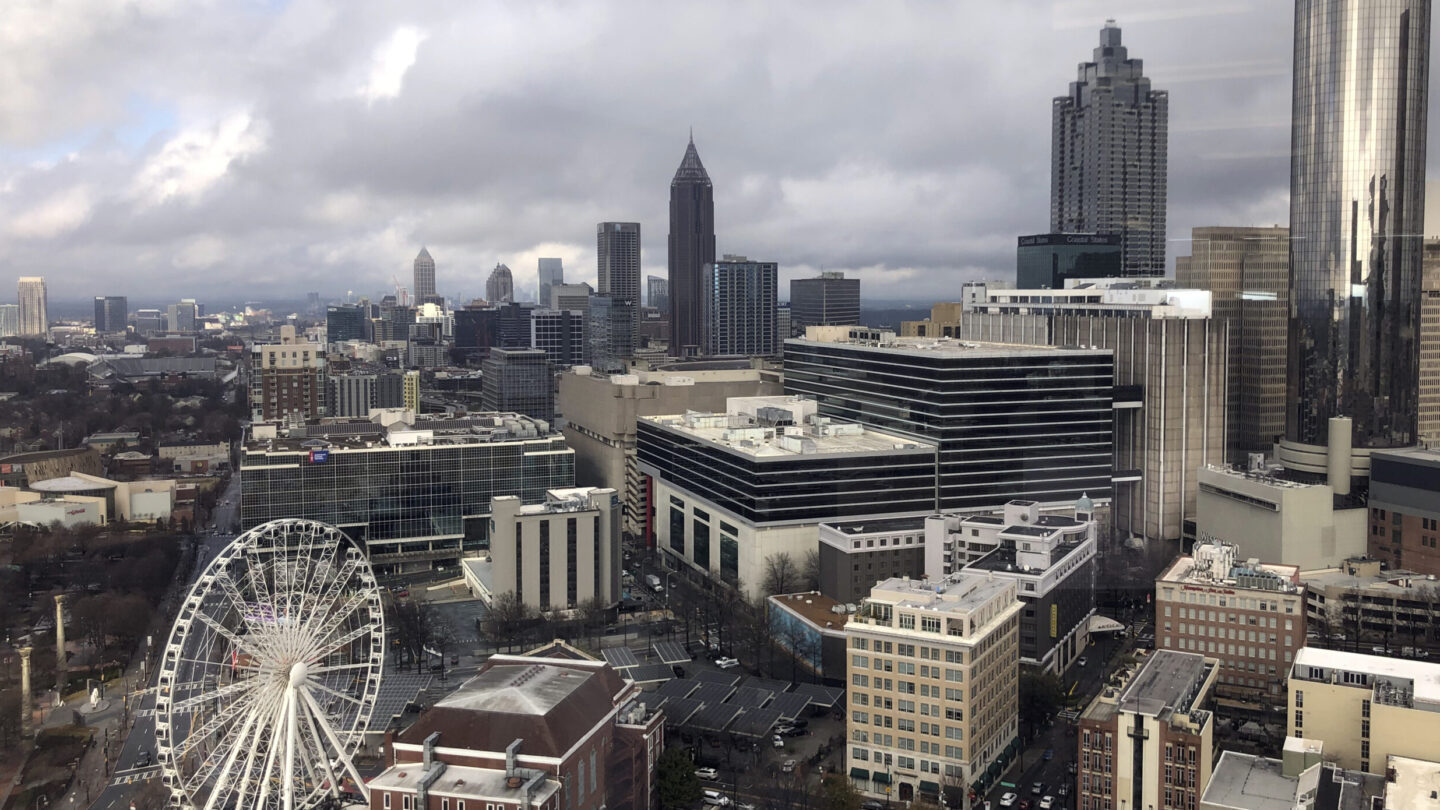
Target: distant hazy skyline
260,150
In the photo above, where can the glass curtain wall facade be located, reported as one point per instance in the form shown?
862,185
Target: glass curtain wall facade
1047,260
1014,424
787,489
617,271
424,275
344,323
403,499
1357,199
111,313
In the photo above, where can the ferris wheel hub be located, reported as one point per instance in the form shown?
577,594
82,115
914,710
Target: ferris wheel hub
298,673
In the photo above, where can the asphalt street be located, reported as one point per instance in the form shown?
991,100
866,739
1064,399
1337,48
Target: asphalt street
128,778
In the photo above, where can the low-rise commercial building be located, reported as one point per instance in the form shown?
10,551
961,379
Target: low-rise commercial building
1248,615
811,627
934,698
1365,707
555,555
730,490
856,554
601,411
1149,742
1359,602
1277,519
1300,779
528,733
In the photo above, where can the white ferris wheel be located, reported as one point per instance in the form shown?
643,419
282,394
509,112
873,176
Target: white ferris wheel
271,672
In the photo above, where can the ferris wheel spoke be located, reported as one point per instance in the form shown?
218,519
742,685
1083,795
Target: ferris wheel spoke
332,618
215,724
313,684
337,586
231,591
231,752
320,749
339,667
326,647
229,635
190,704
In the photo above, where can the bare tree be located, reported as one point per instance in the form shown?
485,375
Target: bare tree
593,616
417,627
507,619
781,574
811,573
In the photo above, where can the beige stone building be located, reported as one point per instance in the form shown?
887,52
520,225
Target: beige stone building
1429,403
554,555
1149,742
1276,519
934,668
287,379
1247,271
600,412
1170,381
1248,615
1365,707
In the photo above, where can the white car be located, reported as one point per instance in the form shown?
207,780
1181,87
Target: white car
707,773
788,766
777,741
715,798
1008,800
727,663
1047,802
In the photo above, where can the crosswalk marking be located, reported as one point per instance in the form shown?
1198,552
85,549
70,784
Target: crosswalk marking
135,776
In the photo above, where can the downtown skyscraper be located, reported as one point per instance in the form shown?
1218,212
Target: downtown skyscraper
424,277
549,274
692,246
34,306
1357,199
617,275
1108,156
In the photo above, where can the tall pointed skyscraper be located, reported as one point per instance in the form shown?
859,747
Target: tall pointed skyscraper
1357,214
692,246
1109,140
424,277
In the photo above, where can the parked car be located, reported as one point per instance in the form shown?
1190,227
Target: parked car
871,804
678,670
715,798
1064,789
777,742
144,760
1037,788
707,773
727,663
1047,802
1049,754
1082,661
1070,767
1008,800
788,766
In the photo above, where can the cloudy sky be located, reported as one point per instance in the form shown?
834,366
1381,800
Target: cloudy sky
239,149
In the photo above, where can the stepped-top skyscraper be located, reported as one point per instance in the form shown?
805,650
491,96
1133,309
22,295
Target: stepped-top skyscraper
1357,212
1108,147
500,286
692,246
424,276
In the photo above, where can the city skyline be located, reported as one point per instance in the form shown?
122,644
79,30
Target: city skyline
270,196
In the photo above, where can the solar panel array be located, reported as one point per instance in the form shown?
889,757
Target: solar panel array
769,683
671,652
755,722
396,690
713,693
676,688
825,696
751,698
620,657
790,706
648,673
679,710
716,676
715,716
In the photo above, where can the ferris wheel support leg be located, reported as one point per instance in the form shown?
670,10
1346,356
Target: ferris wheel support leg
290,742
223,780
335,741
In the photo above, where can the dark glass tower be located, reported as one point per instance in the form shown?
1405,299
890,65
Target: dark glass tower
1357,200
1108,156
692,246
617,274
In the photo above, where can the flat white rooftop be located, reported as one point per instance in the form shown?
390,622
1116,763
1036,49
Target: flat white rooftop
1425,677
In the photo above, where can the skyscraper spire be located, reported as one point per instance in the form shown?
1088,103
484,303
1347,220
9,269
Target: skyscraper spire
692,246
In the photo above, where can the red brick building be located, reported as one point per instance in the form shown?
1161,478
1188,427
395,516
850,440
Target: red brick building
528,731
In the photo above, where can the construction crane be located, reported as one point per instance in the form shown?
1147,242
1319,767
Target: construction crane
400,294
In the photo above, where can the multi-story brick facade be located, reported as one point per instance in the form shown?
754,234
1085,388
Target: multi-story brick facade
287,379
556,732
1403,529
934,667
1248,615
1148,743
